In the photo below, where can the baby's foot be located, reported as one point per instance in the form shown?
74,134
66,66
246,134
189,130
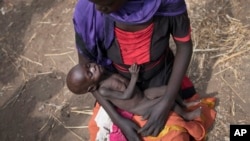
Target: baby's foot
193,103
193,114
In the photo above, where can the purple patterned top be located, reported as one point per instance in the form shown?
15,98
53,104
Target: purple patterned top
92,26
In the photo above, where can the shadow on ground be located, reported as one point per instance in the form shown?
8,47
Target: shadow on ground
19,120
13,26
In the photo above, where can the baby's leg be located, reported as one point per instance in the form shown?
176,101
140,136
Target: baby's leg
184,104
187,115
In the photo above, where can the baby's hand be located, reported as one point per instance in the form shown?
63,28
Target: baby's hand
134,69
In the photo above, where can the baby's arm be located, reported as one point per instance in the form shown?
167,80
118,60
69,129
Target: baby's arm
134,71
128,93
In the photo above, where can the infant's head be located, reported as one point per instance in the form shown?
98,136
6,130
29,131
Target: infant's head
84,78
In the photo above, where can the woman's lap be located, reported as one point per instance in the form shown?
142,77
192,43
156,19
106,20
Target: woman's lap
187,92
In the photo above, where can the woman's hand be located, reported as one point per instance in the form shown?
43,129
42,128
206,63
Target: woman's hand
157,116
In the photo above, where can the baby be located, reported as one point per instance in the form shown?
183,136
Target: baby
123,93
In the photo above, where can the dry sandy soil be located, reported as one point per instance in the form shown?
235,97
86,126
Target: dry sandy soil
37,50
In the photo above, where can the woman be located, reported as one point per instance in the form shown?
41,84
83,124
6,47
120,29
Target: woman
119,33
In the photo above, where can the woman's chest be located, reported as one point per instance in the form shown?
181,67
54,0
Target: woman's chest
141,46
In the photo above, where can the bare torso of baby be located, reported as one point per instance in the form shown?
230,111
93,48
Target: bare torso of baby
137,104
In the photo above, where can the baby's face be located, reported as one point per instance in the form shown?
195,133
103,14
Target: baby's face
108,6
93,72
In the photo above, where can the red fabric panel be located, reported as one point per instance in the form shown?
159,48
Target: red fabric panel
135,46
186,83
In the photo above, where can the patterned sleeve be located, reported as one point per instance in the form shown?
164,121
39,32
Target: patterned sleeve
81,47
180,28
84,18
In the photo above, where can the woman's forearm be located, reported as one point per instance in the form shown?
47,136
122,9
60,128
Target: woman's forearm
109,108
127,126
181,62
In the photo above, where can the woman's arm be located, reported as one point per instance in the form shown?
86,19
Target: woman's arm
157,115
181,33
128,127
182,60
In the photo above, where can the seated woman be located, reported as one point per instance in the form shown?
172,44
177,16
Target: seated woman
118,33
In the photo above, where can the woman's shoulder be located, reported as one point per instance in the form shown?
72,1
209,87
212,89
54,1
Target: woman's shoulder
172,7
85,14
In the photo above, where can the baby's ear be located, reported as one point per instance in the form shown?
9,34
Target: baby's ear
91,88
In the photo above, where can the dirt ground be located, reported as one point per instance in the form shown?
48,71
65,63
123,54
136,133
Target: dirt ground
37,51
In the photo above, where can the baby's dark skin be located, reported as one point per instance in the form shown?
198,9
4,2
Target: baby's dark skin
125,94
128,97
83,78
114,88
